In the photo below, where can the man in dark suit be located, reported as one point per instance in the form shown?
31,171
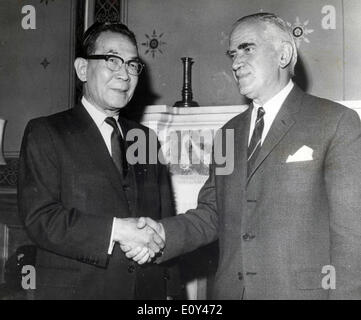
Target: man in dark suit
78,196
288,218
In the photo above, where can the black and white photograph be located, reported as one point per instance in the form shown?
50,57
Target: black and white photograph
196,151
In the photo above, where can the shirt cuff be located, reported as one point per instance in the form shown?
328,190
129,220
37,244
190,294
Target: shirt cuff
111,244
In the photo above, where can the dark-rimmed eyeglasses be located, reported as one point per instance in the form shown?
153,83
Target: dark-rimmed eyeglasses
115,63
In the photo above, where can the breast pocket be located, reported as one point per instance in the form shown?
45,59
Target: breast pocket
298,176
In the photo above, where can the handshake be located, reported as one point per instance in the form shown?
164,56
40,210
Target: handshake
141,239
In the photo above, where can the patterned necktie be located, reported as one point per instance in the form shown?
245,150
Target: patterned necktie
255,144
118,147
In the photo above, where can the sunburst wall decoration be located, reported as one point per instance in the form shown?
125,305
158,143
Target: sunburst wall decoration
300,31
153,44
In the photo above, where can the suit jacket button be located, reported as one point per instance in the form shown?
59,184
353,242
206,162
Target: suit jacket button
247,236
240,276
131,268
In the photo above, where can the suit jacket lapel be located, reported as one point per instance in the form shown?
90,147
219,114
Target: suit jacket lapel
93,140
281,125
241,143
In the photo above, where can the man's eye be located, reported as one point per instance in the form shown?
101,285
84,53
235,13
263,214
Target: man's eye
133,64
249,49
112,60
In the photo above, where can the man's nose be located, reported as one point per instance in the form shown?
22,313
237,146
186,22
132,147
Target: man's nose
122,73
237,62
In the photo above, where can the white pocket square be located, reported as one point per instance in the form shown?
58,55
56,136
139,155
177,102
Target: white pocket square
303,154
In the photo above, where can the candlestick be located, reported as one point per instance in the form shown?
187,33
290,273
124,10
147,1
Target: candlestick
187,94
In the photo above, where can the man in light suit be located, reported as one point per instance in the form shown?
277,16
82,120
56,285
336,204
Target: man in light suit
288,218
78,196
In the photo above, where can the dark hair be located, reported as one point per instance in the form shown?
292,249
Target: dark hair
93,32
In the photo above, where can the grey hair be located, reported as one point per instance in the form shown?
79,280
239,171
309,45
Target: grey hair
283,31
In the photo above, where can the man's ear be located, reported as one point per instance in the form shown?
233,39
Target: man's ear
80,65
286,54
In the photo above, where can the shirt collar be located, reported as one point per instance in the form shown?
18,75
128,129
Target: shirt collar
274,104
97,116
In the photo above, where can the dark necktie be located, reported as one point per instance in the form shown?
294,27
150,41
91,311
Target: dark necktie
118,147
255,144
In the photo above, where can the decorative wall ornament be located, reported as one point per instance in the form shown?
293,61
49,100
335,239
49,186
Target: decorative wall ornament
45,63
300,31
154,43
107,10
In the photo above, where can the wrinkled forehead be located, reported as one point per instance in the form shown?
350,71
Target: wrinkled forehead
114,42
249,31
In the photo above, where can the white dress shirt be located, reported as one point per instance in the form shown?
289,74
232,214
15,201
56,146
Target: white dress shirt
106,132
271,108
99,119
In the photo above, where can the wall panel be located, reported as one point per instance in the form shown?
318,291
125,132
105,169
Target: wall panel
29,88
200,29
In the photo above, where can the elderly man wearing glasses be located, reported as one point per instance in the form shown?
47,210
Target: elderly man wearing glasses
78,195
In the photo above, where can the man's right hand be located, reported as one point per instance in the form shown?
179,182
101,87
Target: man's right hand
138,254
140,241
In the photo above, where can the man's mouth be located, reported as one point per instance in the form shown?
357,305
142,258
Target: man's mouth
243,75
121,90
